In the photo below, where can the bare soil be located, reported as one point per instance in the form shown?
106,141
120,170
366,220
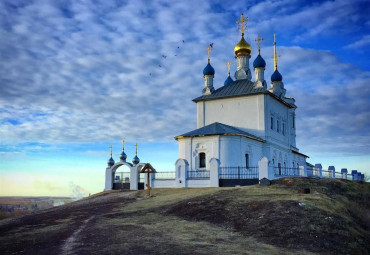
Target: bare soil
332,219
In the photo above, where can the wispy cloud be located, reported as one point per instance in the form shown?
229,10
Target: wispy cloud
83,72
363,42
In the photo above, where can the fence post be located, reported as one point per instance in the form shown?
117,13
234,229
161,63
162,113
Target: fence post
213,172
108,179
182,167
319,168
344,172
265,169
359,176
332,170
303,170
134,174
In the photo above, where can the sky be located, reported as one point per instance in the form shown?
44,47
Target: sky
78,76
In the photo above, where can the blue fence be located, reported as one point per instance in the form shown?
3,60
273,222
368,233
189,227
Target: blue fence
238,172
197,175
286,171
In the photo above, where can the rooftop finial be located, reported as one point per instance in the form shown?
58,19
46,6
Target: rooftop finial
242,24
136,149
228,64
259,40
276,56
209,48
111,150
123,144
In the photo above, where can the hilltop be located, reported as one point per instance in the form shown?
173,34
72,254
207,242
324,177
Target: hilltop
332,219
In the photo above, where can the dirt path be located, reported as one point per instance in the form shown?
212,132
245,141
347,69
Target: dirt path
72,241
58,230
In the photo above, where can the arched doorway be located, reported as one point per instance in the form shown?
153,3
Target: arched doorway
122,178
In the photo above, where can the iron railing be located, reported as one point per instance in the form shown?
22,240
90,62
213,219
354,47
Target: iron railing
238,172
197,175
122,177
286,171
164,176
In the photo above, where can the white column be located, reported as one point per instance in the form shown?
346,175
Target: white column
332,170
182,166
213,172
265,169
134,174
108,179
344,172
319,169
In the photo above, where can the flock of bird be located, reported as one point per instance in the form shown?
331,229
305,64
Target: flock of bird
175,55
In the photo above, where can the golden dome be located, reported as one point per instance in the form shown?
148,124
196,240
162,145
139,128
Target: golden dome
242,48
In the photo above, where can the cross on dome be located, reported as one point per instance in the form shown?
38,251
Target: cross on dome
228,64
209,48
259,40
111,150
242,23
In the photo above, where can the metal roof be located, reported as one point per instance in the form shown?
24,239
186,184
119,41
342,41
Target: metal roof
239,88
296,152
217,128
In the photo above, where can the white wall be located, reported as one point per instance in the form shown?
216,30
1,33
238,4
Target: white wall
246,113
284,114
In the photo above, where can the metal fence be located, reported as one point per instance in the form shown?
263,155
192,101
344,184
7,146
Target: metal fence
197,175
122,177
238,172
286,171
164,175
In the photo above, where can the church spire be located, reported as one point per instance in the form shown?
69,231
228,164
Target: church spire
136,159
228,79
123,155
259,65
208,74
276,76
242,52
111,160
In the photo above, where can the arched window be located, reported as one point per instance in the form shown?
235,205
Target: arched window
202,160
272,123
279,167
283,129
246,160
278,126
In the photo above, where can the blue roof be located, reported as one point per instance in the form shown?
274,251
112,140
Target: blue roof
276,76
235,88
239,88
217,128
228,80
259,62
208,70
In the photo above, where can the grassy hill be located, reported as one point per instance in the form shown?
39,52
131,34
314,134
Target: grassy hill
333,219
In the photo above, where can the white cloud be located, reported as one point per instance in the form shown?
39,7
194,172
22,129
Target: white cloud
84,72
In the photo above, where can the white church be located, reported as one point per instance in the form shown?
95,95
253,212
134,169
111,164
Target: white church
246,131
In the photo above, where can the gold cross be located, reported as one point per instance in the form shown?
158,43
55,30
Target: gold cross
259,40
111,149
242,25
136,149
228,63
209,52
123,144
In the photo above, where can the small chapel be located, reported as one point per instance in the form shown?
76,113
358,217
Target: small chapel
245,131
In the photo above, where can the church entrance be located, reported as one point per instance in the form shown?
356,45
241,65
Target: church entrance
122,178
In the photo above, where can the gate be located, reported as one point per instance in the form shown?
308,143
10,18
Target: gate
121,180
233,176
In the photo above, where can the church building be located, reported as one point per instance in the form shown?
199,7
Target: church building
244,120
246,130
